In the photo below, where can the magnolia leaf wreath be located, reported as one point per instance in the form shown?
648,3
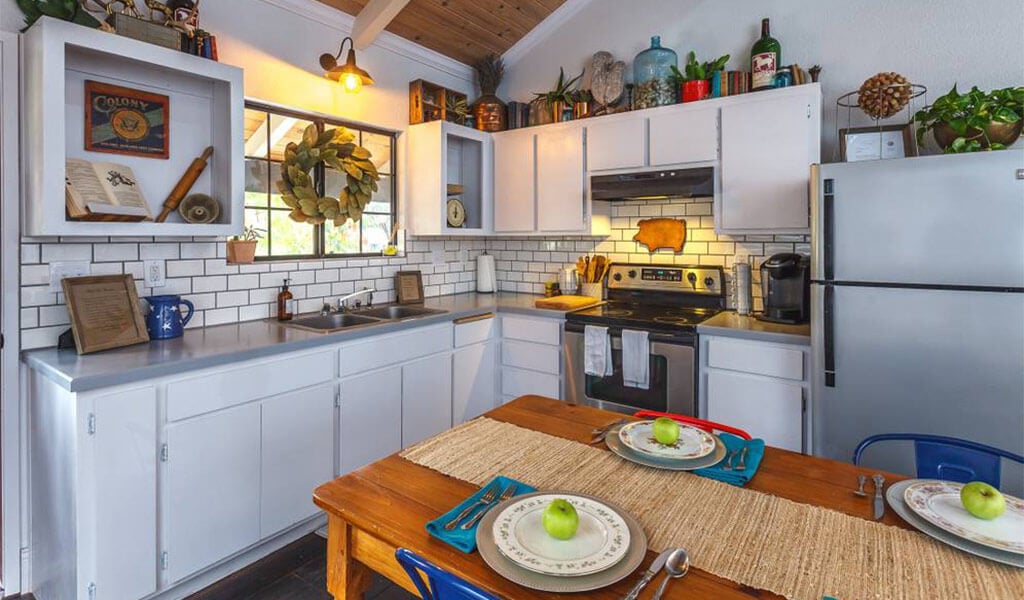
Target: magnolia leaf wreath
336,149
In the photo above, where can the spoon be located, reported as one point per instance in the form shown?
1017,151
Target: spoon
677,565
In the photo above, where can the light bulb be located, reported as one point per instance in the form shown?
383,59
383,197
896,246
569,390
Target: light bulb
352,83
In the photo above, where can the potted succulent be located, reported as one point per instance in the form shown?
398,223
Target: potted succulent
694,83
556,100
489,110
242,248
973,121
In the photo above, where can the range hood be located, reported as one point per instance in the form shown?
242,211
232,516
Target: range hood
644,185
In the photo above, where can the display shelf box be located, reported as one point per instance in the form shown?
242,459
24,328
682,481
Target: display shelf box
206,109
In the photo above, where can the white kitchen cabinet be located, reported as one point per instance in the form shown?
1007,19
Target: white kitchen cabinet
770,409
514,192
296,455
531,356
474,381
768,146
616,144
212,488
371,414
561,180
426,398
683,136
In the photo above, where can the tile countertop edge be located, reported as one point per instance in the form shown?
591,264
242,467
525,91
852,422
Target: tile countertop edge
730,324
75,374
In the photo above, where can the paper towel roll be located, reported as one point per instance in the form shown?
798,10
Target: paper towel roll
485,277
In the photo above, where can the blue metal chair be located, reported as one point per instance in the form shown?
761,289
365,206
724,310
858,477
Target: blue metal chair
442,584
949,458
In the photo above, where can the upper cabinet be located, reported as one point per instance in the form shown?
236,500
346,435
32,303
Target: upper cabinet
514,181
450,180
166,108
616,144
561,180
683,136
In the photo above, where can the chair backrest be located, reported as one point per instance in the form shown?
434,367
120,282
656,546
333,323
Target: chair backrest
708,426
949,458
440,584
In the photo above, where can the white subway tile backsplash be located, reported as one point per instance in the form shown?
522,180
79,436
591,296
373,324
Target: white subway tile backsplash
185,268
243,282
199,250
115,252
214,283
29,254
238,298
66,252
164,250
220,316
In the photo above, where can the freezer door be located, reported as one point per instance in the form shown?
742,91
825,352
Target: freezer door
920,361
939,220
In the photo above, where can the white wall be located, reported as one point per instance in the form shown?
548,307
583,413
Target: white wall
933,42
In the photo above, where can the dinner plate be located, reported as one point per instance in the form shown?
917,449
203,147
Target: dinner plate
601,540
894,494
692,444
553,583
938,502
615,444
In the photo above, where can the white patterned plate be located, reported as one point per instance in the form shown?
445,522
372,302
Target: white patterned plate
938,502
692,443
601,540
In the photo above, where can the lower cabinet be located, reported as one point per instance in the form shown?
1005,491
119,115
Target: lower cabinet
371,409
426,398
474,381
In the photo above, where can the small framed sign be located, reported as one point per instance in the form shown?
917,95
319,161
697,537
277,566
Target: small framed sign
877,143
409,287
104,311
120,120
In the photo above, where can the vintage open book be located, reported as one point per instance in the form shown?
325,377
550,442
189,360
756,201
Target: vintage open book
103,191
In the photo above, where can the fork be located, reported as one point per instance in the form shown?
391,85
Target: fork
598,434
729,459
508,493
487,498
743,456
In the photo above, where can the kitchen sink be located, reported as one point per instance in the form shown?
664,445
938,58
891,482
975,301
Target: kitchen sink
332,322
396,313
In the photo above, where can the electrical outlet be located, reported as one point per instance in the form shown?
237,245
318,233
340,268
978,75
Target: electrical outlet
153,273
437,257
61,270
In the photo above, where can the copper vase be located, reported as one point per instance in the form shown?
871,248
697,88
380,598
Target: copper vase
490,113
1000,133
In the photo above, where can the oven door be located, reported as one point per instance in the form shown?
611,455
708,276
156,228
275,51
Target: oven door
671,376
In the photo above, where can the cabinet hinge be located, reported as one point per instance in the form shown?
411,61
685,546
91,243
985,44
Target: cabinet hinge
337,398
92,591
163,453
163,561
808,111
90,426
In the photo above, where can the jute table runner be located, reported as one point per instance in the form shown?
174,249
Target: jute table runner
799,551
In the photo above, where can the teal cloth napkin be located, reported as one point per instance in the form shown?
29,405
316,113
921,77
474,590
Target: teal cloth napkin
755,452
465,539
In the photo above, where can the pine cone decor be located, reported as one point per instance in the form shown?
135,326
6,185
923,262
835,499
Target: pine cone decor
884,94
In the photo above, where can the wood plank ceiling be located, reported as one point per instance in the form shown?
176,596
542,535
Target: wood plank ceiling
466,30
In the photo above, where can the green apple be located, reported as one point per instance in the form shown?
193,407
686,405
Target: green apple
560,519
982,500
666,431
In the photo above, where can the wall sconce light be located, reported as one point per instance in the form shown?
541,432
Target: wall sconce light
349,75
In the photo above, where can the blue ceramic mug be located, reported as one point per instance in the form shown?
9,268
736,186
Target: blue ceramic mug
164,320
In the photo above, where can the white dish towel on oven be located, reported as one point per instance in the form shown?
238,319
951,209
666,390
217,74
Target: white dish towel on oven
597,351
635,359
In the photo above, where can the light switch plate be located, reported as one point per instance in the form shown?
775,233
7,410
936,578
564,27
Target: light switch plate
153,273
61,270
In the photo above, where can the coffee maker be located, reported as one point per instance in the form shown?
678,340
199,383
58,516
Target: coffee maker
785,288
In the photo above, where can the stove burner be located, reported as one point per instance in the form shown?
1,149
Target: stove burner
616,312
673,320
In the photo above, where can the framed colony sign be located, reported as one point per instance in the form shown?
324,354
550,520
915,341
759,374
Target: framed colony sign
120,120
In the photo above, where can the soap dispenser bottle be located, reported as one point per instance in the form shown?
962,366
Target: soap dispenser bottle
284,303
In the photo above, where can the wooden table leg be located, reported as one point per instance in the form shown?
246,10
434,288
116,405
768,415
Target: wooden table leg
347,578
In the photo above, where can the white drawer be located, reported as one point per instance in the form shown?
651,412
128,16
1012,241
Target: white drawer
540,331
259,379
757,358
475,329
518,382
393,348
536,357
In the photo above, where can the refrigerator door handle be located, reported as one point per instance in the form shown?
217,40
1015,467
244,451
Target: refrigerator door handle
828,331
828,229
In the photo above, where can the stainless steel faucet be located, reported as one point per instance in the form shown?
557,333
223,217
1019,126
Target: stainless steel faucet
342,302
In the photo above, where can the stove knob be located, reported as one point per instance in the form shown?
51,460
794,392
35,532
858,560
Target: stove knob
709,282
617,277
632,274
692,278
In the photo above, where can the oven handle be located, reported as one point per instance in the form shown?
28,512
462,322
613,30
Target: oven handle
615,332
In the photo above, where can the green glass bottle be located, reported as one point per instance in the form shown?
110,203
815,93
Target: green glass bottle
765,59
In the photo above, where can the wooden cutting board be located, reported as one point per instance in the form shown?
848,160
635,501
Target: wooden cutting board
565,302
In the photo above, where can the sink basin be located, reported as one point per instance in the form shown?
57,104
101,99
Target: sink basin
332,322
396,313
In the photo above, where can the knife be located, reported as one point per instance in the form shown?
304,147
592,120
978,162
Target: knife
879,501
656,566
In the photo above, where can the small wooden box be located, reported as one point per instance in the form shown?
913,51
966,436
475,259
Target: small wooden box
146,31
428,102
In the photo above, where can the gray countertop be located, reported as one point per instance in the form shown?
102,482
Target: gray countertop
222,344
730,324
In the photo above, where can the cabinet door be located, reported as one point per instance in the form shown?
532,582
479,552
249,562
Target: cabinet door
684,136
120,488
514,208
297,455
371,417
474,381
618,144
766,158
766,408
213,488
560,180
426,398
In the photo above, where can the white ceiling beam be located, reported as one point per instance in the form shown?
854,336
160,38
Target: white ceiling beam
372,20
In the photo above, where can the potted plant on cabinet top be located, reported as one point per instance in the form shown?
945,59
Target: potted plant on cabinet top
554,102
694,83
489,110
973,121
242,248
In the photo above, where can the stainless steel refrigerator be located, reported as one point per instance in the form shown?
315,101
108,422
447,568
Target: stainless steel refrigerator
918,305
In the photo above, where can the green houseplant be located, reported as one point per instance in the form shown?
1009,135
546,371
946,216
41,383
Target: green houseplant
242,248
694,82
68,10
973,121
557,99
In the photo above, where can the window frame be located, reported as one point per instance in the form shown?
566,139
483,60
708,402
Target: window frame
319,171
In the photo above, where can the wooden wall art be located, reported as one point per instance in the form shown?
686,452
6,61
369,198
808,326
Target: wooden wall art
661,233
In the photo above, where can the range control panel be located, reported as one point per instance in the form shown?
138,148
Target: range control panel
670,278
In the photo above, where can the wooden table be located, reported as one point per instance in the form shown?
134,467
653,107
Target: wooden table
386,505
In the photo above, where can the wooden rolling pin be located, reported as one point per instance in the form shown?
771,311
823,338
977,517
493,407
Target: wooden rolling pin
184,184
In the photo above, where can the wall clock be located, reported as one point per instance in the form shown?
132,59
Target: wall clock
456,213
